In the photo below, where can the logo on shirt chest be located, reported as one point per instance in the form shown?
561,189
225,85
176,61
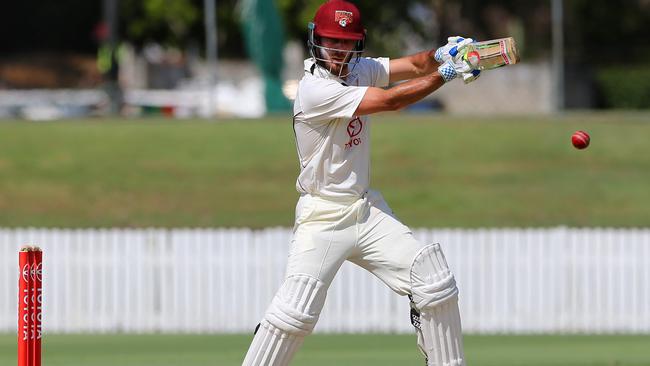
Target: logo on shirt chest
355,127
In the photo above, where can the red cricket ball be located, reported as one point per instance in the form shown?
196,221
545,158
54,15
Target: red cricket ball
580,139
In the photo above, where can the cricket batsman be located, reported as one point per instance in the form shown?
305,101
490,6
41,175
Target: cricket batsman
338,217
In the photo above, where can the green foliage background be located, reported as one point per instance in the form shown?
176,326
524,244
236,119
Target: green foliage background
593,28
169,21
625,87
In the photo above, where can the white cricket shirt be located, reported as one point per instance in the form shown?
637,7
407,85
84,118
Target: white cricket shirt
333,144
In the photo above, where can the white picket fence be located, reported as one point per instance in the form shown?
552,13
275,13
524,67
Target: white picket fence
221,280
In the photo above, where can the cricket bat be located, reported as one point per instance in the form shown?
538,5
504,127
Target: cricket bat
486,55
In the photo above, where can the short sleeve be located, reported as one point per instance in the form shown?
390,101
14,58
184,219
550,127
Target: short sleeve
322,99
380,71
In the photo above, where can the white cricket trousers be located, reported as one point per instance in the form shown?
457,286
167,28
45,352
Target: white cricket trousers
362,230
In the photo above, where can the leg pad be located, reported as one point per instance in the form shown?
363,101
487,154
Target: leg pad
434,309
292,315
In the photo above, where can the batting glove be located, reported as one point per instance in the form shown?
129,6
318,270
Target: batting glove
468,77
453,68
451,49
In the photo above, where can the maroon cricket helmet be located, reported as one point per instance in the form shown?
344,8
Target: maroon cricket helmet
339,19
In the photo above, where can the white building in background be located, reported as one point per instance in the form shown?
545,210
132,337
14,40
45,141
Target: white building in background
525,88
239,92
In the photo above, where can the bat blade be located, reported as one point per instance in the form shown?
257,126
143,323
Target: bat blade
496,53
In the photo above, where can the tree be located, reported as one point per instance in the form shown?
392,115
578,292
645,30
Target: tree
165,21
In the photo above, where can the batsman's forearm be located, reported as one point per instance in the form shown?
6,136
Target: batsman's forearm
407,93
424,62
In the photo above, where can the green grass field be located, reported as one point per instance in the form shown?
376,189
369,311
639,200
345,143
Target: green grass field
434,171
340,350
